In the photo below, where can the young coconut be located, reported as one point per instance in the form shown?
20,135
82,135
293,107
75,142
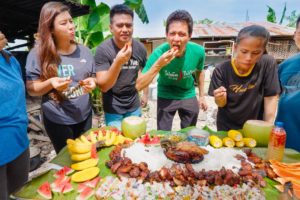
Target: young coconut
258,130
133,127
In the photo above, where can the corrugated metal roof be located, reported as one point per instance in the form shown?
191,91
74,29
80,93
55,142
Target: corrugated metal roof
19,18
232,29
218,29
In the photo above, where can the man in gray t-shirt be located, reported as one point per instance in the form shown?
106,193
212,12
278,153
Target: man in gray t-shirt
119,60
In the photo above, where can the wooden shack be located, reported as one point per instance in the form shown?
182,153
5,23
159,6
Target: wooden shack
281,44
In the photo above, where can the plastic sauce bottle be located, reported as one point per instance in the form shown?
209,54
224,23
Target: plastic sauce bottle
276,144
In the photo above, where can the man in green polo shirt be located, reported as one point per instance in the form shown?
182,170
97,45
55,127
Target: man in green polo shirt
176,61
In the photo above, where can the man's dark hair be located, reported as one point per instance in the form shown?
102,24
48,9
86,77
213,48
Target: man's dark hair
298,22
183,16
253,31
120,9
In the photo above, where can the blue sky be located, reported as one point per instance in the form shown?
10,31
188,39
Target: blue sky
216,10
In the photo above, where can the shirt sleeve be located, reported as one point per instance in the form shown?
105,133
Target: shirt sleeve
271,80
216,81
33,70
102,62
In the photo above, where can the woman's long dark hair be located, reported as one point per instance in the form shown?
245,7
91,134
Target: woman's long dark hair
46,48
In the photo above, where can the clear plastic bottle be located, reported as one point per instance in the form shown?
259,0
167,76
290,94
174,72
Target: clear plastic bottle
276,144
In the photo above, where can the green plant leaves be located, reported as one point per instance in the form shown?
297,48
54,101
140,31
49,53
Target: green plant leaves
292,19
139,8
141,12
99,18
94,18
283,14
91,3
271,17
93,28
133,4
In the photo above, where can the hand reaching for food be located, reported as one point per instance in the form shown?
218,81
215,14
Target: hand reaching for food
88,84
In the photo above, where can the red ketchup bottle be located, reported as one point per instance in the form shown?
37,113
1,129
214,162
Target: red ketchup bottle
276,144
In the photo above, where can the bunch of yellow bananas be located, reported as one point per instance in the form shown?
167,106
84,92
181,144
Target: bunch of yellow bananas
81,150
112,138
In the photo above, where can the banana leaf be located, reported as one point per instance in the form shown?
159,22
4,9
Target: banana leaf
220,134
63,159
29,191
270,191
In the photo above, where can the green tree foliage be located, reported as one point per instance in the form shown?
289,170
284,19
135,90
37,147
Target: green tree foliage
291,19
139,8
283,14
204,21
93,28
271,17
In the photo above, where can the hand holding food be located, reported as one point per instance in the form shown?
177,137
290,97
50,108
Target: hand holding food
220,92
124,54
202,103
60,84
88,84
220,95
167,57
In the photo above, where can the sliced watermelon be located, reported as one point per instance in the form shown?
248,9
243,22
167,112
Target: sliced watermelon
81,187
116,131
94,151
57,186
146,139
68,170
96,132
103,132
155,140
85,194
59,183
63,172
93,183
67,188
45,191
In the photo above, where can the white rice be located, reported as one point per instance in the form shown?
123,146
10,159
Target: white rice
218,158
154,156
